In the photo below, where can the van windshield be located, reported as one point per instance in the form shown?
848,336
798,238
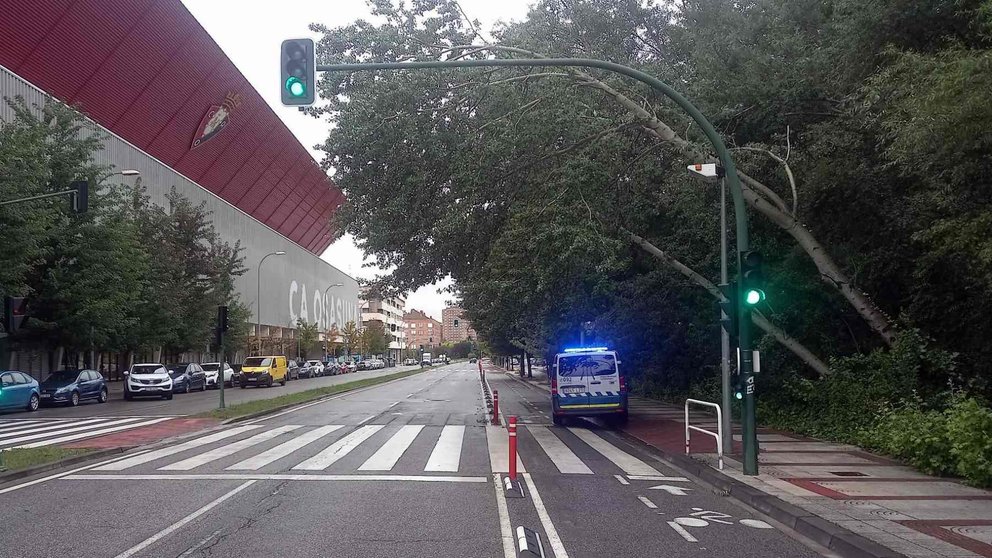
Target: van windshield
586,365
257,362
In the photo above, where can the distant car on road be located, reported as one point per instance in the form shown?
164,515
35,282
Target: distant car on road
263,370
348,367
187,376
147,380
587,382
72,386
19,391
410,362
312,369
472,360
212,372
292,370
332,368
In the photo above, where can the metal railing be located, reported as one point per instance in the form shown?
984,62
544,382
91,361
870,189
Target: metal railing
719,427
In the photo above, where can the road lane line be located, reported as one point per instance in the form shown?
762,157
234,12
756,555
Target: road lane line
366,419
76,427
172,450
656,478
93,433
447,452
228,449
647,502
338,449
630,464
564,459
385,458
622,480
542,513
64,474
272,477
256,462
182,522
505,531
681,530
499,450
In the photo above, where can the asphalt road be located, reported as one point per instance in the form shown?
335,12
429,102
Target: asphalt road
194,402
405,469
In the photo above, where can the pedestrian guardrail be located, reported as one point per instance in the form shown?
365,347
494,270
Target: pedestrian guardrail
719,427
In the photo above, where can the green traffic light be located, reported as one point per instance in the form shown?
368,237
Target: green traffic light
753,296
738,395
296,87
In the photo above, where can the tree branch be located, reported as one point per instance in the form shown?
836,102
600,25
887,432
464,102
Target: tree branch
788,173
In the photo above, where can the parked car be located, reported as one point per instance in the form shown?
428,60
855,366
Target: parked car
73,386
362,365
212,372
472,360
410,362
312,369
292,370
187,376
263,370
332,368
348,367
19,391
147,380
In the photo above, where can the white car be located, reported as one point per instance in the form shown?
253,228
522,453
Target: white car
212,370
312,369
410,362
147,380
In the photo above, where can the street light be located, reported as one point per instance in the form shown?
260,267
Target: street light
329,287
258,299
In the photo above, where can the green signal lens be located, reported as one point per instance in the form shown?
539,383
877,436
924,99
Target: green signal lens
296,87
753,296
738,395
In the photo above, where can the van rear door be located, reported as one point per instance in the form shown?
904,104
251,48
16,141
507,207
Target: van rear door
604,382
573,385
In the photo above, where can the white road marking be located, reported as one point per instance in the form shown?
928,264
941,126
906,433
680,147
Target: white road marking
189,551
542,513
76,427
226,450
338,449
256,462
273,477
60,475
621,479
630,464
506,534
385,457
499,450
448,450
756,523
32,427
172,450
564,459
647,502
182,522
656,478
366,419
673,490
393,405
93,433
681,530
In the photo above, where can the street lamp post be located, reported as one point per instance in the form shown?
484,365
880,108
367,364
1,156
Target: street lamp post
258,299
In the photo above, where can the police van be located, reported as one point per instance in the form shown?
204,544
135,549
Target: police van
587,382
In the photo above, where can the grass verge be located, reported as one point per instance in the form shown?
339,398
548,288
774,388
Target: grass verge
260,405
22,458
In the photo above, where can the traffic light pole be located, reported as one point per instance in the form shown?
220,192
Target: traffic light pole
722,153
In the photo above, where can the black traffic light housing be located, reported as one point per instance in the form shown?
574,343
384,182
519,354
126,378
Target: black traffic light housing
730,307
79,196
752,279
297,63
221,324
15,311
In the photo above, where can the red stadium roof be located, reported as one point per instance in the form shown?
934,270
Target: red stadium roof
147,70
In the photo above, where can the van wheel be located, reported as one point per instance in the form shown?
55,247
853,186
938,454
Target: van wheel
618,420
557,420
282,382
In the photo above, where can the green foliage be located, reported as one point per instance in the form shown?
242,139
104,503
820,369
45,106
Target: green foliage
351,337
969,427
461,349
308,334
373,338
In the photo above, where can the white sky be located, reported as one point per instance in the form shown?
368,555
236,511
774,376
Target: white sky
251,36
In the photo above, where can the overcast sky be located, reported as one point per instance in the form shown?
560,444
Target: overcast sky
250,36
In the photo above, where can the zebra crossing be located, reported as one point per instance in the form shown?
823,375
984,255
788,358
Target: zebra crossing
372,448
34,433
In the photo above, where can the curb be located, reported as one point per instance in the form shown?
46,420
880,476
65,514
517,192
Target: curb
45,467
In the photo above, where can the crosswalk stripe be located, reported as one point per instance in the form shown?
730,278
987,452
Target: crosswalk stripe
34,428
630,464
256,462
229,449
338,449
89,426
499,450
564,459
386,457
448,450
172,450
8,426
93,433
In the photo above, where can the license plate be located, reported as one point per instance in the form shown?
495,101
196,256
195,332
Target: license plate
573,390
46,395
252,379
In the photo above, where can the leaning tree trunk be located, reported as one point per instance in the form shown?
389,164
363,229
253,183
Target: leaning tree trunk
776,332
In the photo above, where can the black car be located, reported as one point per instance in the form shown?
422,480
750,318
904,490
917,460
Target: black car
187,376
292,370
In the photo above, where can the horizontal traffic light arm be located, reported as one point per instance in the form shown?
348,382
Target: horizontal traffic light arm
40,197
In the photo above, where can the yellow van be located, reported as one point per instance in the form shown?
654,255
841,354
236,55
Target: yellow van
263,370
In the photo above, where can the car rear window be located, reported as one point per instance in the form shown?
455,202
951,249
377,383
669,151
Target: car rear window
586,365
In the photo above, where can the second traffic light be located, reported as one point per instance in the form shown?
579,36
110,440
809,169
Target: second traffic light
298,67
729,306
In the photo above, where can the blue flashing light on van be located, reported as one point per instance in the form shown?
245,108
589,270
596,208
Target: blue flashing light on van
587,382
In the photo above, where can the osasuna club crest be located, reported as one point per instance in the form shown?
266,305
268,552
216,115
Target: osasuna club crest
216,119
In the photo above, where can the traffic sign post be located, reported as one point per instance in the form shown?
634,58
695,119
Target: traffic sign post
221,330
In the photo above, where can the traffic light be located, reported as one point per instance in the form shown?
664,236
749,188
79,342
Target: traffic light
79,201
15,311
738,386
729,306
752,279
221,324
298,67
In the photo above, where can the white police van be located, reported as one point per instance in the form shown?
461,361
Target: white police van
587,382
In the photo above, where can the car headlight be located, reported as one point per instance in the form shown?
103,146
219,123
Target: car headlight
62,389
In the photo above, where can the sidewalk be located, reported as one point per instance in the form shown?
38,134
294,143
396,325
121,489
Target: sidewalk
827,491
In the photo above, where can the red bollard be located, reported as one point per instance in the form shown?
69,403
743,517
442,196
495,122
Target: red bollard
495,406
513,448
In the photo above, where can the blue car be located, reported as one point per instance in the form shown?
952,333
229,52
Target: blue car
72,386
19,391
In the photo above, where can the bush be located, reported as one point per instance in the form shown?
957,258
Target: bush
969,428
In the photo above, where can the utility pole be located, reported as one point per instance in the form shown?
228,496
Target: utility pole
728,435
